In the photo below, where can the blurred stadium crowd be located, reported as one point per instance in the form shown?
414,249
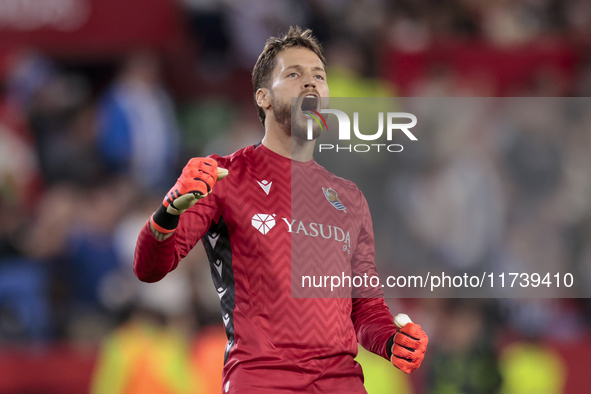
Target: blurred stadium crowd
88,147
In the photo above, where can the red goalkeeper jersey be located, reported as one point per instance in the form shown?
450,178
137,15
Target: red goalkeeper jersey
274,230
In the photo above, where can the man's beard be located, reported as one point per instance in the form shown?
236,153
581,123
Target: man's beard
294,127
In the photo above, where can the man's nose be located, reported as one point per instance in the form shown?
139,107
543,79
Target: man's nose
309,82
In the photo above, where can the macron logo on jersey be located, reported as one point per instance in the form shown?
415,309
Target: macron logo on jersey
213,239
265,185
263,222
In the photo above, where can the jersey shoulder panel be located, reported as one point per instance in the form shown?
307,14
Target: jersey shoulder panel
233,160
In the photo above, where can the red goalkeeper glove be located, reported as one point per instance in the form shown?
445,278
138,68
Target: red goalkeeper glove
196,181
407,347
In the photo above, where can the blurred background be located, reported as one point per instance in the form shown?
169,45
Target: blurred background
102,102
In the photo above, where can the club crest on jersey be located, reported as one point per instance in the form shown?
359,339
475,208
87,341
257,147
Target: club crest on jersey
332,197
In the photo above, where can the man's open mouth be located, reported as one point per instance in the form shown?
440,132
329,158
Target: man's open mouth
309,103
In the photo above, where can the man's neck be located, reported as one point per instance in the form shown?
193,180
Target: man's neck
291,147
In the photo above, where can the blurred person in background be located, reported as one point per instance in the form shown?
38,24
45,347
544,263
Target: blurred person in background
150,352
251,22
455,206
53,104
138,135
531,367
209,27
348,72
378,377
24,281
77,246
19,177
464,360
529,363
244,129
72,156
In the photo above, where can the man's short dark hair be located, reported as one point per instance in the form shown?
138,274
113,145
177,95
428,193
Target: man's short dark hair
294,37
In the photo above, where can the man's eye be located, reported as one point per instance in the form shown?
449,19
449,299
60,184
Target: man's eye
320,77
293,75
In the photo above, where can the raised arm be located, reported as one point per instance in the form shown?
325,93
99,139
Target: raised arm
372,319
169,235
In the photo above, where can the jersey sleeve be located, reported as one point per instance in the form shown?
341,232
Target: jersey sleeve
154,259
374,324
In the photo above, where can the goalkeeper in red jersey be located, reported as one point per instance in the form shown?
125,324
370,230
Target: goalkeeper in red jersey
277,204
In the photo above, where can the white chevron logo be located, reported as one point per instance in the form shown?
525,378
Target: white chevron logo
226,319
265,185
221,292
218,267
213,239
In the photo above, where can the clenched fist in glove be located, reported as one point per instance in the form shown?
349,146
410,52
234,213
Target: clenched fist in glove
407,347
196,181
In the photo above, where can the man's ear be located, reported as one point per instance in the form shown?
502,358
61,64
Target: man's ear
263,98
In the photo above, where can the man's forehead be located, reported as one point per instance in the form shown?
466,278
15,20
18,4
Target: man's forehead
297,57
